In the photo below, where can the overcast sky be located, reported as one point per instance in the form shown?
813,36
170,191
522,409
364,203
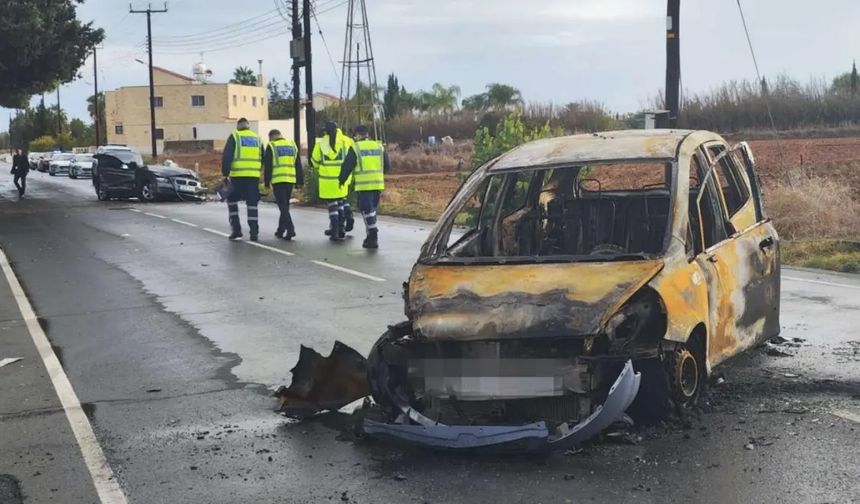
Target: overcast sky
552,50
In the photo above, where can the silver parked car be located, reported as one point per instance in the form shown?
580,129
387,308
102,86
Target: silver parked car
60,164
82,166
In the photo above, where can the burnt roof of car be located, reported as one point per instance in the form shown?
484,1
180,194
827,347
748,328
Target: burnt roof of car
610,145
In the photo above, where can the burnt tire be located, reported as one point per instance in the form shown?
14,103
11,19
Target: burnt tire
685,368
653,402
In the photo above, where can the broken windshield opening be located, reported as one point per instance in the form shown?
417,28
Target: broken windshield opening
595,212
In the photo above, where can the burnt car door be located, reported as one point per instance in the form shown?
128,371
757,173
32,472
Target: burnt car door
737,261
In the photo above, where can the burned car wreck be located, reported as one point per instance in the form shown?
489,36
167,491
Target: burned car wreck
571,283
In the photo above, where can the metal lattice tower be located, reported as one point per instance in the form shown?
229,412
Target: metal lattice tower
359,94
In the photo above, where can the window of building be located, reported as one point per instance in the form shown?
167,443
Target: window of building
198,101
235,100
159,133
118,129
158,101
262,102
244,99
254,101
194,131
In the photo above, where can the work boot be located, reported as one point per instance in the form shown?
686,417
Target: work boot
237,233
341,233
290,235
279,234
254,238
350,221
372,240
327,232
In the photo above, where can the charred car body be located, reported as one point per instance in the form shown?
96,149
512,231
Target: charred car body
573,279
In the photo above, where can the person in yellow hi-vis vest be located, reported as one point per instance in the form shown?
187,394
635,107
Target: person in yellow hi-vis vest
242,163
367,162
282,168
327,159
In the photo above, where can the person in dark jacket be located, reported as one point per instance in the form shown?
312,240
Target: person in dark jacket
282,169
20,169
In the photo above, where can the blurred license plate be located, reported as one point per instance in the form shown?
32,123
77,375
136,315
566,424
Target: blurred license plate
188,189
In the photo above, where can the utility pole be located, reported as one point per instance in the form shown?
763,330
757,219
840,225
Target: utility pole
96,117
297,55
149,11
673,62
310,118
59,113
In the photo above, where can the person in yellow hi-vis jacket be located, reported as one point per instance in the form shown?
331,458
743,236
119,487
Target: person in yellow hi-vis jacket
282,169
327,159
367,162
242,163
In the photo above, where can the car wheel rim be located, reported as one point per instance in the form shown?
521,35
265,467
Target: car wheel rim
146,191
688,374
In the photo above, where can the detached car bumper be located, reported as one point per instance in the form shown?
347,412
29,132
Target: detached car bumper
417,429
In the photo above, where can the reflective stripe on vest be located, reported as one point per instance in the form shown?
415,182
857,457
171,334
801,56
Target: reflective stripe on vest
284,154
369,174
328,164
247,159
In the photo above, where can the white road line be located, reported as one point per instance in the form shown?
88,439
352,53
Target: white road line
135,210
847,415
349,271
215,231
184,223
154,215
107,487
279,251
273,249
821,282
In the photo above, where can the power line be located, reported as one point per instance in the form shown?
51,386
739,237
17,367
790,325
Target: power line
237,26
222,47
325,44
221,38
755,63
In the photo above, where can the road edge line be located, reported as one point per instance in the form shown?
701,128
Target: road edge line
104,480
820,282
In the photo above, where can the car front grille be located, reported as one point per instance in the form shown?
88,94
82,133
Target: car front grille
186,182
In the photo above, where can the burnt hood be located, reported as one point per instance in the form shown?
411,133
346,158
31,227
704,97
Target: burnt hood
169,171
486,302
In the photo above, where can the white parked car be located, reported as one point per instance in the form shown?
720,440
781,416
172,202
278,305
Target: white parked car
60,164
82,166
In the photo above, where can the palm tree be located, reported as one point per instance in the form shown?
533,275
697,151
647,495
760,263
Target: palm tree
244,76
503,96
91,108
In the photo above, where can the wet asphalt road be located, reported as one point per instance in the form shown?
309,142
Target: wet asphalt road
173,339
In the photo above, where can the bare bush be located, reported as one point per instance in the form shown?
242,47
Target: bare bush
743,105
807,206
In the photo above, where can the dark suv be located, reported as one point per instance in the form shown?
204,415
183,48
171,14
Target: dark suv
121,173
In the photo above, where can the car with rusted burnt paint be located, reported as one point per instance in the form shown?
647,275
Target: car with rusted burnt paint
575,282
571,284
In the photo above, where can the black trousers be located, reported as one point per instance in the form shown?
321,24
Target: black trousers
247,189
21,183
283,193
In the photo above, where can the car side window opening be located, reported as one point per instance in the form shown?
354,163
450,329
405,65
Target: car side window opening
713,226
732,183
591,212
745,158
